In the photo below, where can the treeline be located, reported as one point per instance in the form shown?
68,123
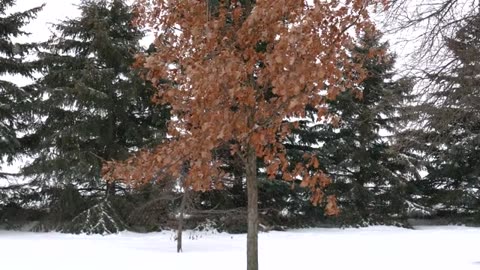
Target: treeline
391,151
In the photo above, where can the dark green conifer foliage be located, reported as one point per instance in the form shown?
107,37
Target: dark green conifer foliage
94,105
369,176
14,100
450,136
99,219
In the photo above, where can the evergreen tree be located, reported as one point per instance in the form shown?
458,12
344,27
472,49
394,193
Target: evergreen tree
370,178
14,100
450,135
94,106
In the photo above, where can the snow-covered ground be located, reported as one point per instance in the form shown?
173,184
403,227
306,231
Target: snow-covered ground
382,248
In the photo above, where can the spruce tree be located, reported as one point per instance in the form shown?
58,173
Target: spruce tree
370,177
14,100
94,106
449,136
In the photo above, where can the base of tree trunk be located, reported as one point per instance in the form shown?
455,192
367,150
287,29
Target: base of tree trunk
252,214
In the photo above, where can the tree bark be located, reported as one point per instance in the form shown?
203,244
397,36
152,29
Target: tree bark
180,220
110,189
252,216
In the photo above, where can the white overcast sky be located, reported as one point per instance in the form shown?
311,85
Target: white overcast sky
54,11
39,28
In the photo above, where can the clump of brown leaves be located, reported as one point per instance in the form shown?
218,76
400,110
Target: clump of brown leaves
235,73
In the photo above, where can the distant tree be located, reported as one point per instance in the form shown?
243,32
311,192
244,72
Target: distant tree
93,105
437,20
15,101
448,129
240,68
370,177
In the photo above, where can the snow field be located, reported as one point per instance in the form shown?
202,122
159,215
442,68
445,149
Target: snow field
382,248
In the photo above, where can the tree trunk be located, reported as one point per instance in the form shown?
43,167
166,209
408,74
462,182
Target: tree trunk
110,189
252,218
180,220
